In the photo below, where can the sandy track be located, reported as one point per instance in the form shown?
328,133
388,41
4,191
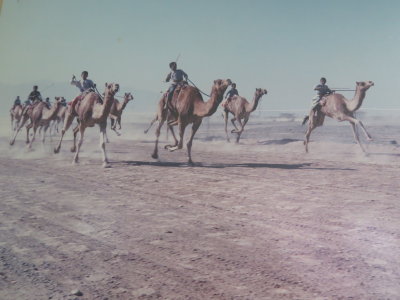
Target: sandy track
263,222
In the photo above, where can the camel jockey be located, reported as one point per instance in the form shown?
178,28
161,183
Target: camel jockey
35,94
322,90
47,102
63,101
85,86
17,102
232,92
177,76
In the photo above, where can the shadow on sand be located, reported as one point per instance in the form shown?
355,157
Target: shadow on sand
278,142
303,166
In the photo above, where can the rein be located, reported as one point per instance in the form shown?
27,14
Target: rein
198,88
98,93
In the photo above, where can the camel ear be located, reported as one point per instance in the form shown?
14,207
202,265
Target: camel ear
106,84
357,82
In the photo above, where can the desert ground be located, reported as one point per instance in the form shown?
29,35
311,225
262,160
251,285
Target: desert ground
256,220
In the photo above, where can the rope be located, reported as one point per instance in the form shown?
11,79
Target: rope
198,88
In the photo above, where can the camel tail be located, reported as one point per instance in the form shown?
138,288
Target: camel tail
305,120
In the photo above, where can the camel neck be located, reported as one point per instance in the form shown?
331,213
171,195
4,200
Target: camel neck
357,100
51,113
253,105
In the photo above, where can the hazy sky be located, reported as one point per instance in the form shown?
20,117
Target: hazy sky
283,46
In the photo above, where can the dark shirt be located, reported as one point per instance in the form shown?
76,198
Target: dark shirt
232,92
17,102
35,95
176,76
322,90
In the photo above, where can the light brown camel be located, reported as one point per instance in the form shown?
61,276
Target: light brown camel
116,112
187,106
241,109
16,115
90,112
336,106
161,105
40,116
60,116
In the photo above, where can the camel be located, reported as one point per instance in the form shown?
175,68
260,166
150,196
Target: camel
241,109
161,105
40,116
187,106
90,112
16,115
116,112
336,106
60,116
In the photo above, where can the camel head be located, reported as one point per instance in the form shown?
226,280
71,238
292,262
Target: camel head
58,101
128,97
220,86
111,88
364,85
260,92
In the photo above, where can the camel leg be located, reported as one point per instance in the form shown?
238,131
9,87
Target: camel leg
82,131
33,137
195,127
367,135
234,125
171,128
353,123
225,115
182,127
241,130
161,121
75,132
28,127
69,118
22,123
119,122
103,144
151,124
310,128
353,126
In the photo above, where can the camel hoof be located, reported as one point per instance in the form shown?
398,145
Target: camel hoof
172,149
154,155
12,143
191,163
75,162
56,150
106,165
73,149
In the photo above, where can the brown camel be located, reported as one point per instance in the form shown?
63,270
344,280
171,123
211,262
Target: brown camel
16,115
40,116
90,112
60,116
187,106
161,105
116,112
241,109
336,106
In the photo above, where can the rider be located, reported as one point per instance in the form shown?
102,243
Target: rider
322,90
232,92
35,94
85,86
17,102
47,102
177,76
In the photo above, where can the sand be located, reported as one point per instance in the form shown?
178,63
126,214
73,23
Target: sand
258,220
